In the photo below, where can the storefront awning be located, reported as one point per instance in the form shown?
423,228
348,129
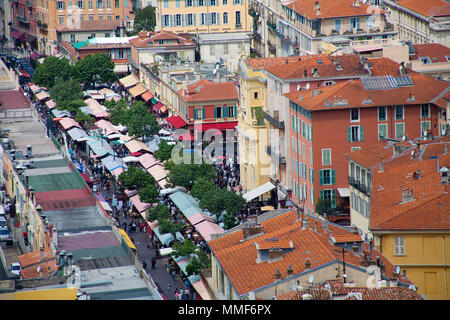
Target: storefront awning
176,121
17,34
266,187
158,106
221,126
147,96
158,172
137,90
42,95
128,81
51,104
344,192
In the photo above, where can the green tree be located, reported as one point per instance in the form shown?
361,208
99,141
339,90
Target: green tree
51,71
185,175
86,120
164,152
201,261
202,187
166,226
158,212
135,179
97,67
68,95
145,19
184,249
148,194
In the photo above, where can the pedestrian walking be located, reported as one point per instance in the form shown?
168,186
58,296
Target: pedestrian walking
173,274
144,266
153,263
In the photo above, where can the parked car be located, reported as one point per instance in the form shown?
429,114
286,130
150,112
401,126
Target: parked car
14,270
5,235
3,223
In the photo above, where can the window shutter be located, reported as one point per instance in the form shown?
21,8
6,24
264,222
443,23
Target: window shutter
235,111
195,113
321,177
203,113
225,111
215,113
193,19
218,15
332,175
182,20
171,21
361,133
349,134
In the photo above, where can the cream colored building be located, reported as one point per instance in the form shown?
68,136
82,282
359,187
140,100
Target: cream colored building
202,16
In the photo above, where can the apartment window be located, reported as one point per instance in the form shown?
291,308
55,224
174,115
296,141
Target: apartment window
80,4
225,2
92,36
424,111
337,25
81,18
200,3
354,24
61,20
60,5
382,116
109,17
90,4
327,176
100,4
328,197
212,2
214,18
117,17
217,111
100,17
354,115
165,20
355,133
199,113
189,3
399,246
212,50
121,54
231,111
225,18
399,112
238,19
178,20
70,4
202,19
237,1
72,38
91,18
107,35
326,157
425,60
382,131
117,3
190,19
399,130
424,126
108,3
166,4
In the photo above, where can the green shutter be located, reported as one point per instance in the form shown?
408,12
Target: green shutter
203,113
333,175
361,133
195,113
215,113
321,177
349,134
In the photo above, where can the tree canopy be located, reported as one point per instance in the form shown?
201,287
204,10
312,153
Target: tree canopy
185,175
145,19
135,179
164,152
93,68
158,212
198,259
51,71
68,95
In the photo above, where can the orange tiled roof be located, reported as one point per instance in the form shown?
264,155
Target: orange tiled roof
143,39
238,258
330,9
339,238
47,269
34,257
205,90
264,63
429,8
430,207
336,288
382,66
424,90
435,51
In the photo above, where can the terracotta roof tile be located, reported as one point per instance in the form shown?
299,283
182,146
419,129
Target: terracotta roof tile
47,269
435,51
424,90
330,9
144,38
264,63
429,8
239,258
205,90
34,257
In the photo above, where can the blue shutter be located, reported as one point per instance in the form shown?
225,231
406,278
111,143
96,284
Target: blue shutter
218,16
193,18
361,133
203,113
225,112
332,175
215,113
349,134
321,178
182,20
235,111
195,114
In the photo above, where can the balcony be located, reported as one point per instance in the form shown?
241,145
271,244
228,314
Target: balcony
29,3
272,47
257,35
275,155
361,187
271,25
275,122
253,13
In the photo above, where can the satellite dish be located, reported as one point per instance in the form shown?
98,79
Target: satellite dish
307,86
311,279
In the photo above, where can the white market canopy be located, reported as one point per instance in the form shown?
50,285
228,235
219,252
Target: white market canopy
266,187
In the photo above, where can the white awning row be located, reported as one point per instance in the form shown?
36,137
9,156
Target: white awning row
266,187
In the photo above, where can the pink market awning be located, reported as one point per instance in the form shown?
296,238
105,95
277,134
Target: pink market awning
42,95
68,123
51,104
147,160
117,172
104,124
158,172
207,228
130,193
199,217
138,204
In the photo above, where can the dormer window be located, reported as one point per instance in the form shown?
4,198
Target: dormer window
272,249
425,60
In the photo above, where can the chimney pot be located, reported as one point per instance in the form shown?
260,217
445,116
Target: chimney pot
307,264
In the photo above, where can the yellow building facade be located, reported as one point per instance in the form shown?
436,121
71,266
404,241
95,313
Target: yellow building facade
253,133
424,256
202,16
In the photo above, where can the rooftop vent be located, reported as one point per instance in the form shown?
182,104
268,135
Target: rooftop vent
407,195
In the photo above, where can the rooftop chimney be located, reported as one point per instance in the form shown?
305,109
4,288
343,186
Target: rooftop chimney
307,264
277,274
289,270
